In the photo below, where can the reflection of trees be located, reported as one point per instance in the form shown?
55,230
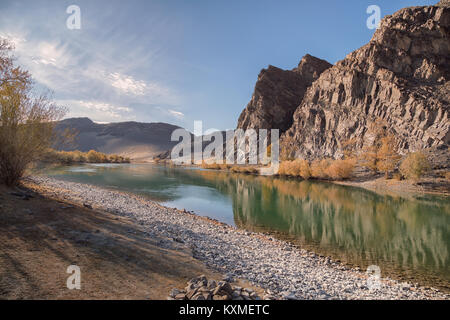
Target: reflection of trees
350,221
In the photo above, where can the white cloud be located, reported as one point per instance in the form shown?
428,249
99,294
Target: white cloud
176,113
127,84
97,110
91,82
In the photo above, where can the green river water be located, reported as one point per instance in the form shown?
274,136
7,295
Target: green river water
408,236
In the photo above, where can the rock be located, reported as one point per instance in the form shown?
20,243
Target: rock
207,295
178,240
221,297
211,284
199,281
401,77
180,296
223,288
174,292
191,294
86,205
278,93
198,296
228,277
190,287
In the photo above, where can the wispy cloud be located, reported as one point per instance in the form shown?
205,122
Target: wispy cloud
127,84
98,110
176,113
93,78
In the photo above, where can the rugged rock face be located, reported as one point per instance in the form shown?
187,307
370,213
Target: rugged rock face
400,77
278,93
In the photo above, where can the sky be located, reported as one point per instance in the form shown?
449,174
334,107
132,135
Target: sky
176,61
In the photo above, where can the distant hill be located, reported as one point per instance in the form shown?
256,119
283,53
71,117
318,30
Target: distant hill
138,141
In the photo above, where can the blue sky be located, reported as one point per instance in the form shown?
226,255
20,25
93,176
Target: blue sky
176,61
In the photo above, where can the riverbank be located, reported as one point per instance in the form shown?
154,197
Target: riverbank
434,183
263,260
436,186
41,235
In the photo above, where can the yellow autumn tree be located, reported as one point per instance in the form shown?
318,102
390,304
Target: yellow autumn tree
414,166
26,120
387,155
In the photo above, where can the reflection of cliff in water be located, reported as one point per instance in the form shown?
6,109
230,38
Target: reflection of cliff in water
352,224
405,236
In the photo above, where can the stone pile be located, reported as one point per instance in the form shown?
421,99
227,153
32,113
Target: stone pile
200,288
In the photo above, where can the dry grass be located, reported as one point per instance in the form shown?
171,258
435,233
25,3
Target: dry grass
69,157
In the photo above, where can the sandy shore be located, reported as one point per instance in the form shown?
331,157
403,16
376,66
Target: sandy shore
273,265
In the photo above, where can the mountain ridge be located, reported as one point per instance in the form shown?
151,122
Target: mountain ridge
139,141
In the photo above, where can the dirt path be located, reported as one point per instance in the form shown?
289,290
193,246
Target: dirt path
41,237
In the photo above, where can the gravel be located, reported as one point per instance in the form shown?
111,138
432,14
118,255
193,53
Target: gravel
284,271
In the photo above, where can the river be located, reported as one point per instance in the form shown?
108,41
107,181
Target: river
407,236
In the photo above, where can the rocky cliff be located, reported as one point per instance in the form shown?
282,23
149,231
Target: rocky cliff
278,93
400,78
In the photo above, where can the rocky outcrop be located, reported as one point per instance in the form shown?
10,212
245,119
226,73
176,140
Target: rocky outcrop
400,78
278,93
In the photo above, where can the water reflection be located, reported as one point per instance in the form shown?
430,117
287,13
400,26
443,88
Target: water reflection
407,236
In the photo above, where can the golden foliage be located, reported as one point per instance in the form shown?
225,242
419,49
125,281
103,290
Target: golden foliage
381,155
340,169
319,169
414,166
387,156
216,166
69,157
247,170
447,175
27,121
295,168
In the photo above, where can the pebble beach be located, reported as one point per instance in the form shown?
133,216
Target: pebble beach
281,269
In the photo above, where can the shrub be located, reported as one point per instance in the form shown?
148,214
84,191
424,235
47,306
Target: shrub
247,170
447,175
69,157
304,169
319,168
295,168
26,121
340,169
216,166
397,176
414,166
